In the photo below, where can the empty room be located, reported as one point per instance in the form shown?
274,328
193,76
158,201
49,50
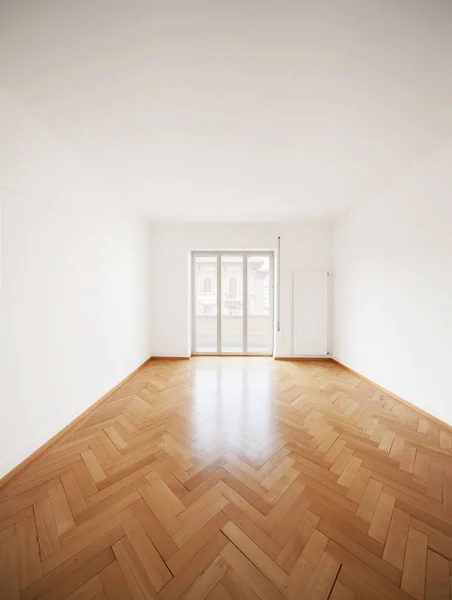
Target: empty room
225,300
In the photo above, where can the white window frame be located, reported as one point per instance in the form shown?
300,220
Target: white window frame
271,288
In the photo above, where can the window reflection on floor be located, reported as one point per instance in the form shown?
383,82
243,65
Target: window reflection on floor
232,401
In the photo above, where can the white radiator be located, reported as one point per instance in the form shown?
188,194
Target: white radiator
310,305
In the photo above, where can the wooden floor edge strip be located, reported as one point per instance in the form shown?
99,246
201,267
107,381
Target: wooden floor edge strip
228,355
169,358
305,358
231,355
70,427
389,393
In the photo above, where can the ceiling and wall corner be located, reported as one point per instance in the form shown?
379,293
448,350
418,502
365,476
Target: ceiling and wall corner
75,284
238,111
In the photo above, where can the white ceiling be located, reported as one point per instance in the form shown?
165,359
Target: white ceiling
236,109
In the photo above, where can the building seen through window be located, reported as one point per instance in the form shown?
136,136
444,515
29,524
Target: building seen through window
232,282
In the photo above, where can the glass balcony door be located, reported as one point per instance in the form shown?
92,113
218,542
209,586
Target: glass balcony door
232,303
205,286
259,305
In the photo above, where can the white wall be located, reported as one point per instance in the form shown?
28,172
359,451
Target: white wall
75,288
303,245
393,286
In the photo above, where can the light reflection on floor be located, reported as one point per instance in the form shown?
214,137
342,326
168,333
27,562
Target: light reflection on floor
232,399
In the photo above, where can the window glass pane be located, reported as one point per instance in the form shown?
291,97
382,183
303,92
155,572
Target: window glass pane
231,303
260,321
205,299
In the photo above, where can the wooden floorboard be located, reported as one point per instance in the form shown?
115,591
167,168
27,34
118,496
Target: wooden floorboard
235,478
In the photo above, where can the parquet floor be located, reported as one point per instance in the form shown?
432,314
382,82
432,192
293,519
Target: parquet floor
235,478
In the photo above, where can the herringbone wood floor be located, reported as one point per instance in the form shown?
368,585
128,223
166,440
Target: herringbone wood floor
235,478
